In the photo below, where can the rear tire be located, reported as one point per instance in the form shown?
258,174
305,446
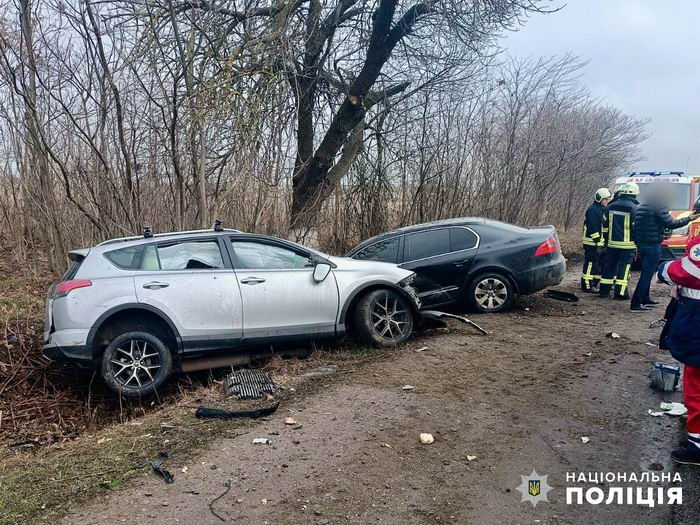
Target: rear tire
490,293
136,364
383,318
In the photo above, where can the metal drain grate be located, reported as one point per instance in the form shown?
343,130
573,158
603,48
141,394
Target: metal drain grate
248,384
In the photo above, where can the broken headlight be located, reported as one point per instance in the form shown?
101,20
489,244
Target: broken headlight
406,284
407,281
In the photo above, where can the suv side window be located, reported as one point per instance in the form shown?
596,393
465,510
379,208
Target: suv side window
382,251
462,239
427,244
126,258
264,256
186,255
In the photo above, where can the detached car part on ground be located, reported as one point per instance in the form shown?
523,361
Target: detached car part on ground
478,262
140,308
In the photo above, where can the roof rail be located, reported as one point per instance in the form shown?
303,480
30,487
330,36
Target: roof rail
169,234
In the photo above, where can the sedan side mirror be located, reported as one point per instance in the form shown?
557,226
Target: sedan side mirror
321,271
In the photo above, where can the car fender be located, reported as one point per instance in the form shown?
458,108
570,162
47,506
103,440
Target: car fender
132,306
367,286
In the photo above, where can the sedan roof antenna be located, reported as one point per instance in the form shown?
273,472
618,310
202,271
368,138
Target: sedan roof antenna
218,226
147,232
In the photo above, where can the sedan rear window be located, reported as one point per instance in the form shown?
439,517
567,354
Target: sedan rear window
382,251
462,239
427,244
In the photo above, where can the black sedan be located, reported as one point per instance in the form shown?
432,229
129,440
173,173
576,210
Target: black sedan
480,262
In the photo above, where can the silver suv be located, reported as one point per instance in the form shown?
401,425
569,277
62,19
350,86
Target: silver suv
140,308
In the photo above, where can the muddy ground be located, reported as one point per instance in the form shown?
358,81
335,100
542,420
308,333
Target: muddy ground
518,399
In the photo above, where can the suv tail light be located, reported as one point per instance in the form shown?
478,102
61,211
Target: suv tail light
65,287
551,245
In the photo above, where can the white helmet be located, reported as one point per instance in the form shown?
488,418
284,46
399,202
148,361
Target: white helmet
601,194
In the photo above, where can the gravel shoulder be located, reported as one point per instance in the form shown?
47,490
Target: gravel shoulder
518,399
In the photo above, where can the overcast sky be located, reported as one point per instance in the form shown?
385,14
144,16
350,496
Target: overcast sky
643,57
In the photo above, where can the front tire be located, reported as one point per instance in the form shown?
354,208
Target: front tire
383,318
136,364
490,293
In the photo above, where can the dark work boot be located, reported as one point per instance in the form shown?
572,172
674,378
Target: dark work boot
686,456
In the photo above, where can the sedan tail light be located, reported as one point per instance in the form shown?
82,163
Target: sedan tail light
551,245
65,287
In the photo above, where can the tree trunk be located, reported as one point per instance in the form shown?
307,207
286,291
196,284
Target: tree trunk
313,182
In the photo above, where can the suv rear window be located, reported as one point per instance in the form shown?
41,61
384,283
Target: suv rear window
72,269
126,258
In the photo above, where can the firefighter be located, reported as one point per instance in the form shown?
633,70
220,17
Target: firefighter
620,246
593,240
682,337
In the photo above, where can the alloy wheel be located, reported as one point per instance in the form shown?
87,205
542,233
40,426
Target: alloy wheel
135,364
390,318
491,293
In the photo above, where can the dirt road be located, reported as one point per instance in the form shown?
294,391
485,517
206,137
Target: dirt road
498,406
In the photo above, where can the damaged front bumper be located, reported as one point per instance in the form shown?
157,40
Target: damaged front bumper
407,286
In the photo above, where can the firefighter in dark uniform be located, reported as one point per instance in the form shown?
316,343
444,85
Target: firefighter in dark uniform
619,242
593,240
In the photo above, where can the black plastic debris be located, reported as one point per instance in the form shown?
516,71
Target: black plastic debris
16,447
166,453
218,413
561,296
248,384
158,469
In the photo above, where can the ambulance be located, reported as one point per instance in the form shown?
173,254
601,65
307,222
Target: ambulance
684,192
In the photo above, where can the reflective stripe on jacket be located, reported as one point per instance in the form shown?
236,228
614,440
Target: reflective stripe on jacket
593,225
618,220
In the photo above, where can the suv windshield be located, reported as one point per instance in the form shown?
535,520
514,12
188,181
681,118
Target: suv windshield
679,194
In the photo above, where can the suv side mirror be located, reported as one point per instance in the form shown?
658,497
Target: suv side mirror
321,271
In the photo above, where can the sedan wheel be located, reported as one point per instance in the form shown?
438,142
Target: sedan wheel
490,293
136,363
383,318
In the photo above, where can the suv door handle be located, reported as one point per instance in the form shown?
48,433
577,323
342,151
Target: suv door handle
253,280
463,262
155,285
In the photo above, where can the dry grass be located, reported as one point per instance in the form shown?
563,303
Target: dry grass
571,243
40,484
